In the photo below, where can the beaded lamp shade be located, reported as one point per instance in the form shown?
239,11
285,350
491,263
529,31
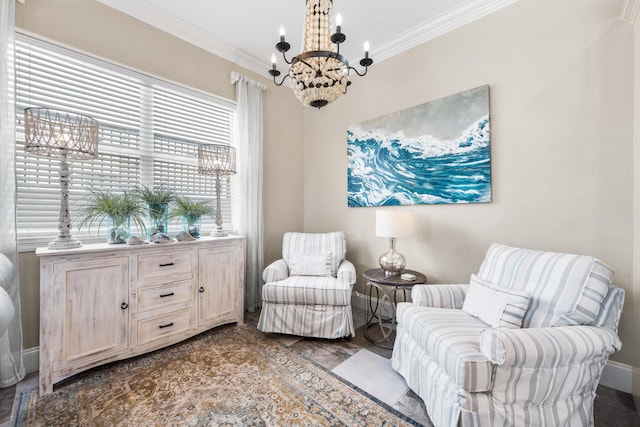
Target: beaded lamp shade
216,159
68,136
53,133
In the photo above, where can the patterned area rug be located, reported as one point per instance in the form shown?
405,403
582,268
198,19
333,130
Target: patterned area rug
231,375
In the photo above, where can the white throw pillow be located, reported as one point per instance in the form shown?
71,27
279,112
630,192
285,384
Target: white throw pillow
310,264
495,305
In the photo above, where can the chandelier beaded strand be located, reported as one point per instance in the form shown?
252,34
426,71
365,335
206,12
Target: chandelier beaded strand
320,74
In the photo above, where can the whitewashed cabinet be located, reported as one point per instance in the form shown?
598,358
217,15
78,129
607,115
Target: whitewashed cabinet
101,303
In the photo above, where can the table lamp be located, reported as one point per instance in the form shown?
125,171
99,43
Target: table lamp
54,133
393,224
218,160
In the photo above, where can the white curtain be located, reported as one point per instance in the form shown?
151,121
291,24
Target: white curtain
249,172
11,365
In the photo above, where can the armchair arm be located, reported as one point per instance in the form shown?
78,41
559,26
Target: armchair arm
555,347
275,271
346,273
440,296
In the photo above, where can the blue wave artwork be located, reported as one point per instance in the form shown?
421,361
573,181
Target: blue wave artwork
435,153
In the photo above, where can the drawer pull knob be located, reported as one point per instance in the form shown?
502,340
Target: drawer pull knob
201,289
167,295
165,326
124,306
166,265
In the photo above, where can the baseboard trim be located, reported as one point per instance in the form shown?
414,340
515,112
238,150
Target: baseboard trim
617,376
31,359
614,375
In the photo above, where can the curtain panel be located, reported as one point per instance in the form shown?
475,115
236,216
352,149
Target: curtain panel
11,364
249,135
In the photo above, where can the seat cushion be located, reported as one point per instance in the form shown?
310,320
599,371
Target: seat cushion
565,289
451,338
307,290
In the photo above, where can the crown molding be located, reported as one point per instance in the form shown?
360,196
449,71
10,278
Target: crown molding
630,11
413,37
169,23
438,26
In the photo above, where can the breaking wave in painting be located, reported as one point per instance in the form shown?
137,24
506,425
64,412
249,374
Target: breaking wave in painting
394,170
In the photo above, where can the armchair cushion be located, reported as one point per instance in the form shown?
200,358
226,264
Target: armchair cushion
451,340
307,290
315,243
497,306
565,288
310,264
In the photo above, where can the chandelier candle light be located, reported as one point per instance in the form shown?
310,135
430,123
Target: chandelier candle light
320,74
393,224
218,160
68,136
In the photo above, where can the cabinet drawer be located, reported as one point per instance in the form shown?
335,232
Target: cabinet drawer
154,266
165,295
160,327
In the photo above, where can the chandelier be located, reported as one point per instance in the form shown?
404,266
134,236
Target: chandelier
320,74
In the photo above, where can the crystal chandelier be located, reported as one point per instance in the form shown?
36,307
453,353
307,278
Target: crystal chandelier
320,74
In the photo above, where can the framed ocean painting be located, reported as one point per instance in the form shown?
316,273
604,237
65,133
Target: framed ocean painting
434,153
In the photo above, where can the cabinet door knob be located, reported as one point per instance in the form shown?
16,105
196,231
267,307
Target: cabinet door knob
201,289
124,306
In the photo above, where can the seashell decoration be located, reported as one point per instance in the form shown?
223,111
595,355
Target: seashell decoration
133,240
160,238
184,236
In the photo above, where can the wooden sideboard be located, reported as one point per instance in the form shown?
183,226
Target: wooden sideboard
100,303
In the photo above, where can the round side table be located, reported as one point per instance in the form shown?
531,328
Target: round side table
386,291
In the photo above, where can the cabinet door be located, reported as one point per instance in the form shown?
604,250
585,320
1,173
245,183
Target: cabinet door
220,285
90,303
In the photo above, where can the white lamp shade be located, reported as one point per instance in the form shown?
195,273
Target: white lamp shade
394,223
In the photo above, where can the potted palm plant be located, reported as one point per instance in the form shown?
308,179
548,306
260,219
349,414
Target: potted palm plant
157,200
190,212
118,209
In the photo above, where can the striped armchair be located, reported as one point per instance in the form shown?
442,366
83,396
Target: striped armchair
478,357
308,291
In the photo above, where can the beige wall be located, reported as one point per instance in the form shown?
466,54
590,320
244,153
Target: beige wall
560,75
101,31
636,211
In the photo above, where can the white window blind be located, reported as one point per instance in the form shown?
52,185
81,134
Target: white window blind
149,134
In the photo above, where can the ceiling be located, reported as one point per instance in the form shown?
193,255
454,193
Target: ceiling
246,31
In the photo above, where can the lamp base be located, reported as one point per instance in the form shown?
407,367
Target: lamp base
392,262
219,233
66,242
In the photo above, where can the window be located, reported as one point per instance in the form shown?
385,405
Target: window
149,134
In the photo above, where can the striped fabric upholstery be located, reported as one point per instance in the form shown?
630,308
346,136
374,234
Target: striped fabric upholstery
451,338
304,290
275,271
443,296
315,243
497,306
320,321
574,285
312,305
611,309
470,374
